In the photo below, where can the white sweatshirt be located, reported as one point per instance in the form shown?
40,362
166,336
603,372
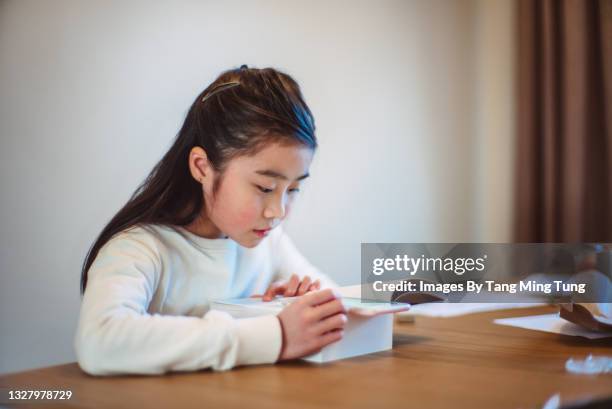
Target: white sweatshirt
146,306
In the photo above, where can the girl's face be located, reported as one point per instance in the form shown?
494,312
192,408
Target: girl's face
255,193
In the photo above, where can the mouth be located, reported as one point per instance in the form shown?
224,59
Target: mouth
262,232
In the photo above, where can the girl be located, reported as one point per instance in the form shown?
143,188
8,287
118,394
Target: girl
204,225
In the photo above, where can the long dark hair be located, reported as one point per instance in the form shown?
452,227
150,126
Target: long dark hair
240,112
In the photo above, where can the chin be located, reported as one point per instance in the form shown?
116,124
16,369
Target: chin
249,243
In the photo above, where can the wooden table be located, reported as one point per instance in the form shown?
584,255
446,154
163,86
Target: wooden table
456,362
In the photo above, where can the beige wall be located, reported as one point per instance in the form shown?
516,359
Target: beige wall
412,100
494,119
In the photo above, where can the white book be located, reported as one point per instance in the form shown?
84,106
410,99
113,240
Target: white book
369,328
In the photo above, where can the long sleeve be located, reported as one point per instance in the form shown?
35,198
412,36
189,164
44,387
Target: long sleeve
116,334
291,261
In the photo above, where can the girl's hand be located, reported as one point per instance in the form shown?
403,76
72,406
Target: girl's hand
310,323
292,287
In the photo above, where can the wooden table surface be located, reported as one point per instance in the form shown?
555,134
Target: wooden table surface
455,362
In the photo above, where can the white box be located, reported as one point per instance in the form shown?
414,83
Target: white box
369,328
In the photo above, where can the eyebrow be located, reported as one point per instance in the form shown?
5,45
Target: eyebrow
273,174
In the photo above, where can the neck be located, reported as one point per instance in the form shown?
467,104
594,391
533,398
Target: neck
202,226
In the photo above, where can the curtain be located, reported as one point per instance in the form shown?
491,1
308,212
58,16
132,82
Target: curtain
564,129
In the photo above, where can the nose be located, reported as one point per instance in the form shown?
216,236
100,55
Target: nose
276,207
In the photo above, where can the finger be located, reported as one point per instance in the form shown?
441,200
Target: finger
330,337
334,322
319,297
256,296
316,285
292,285
329,308
304,285
270,291
273,290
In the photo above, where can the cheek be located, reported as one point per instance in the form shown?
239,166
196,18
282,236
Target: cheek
289,204
247,215
288,208
240,211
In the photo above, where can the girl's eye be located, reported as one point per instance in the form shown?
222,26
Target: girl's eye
264,189
269,190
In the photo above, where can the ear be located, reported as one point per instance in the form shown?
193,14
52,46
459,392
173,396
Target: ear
201,168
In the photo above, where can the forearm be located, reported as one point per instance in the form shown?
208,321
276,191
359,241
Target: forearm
155,344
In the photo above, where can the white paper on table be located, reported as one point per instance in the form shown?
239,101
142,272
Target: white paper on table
443,309
254,306
551,323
